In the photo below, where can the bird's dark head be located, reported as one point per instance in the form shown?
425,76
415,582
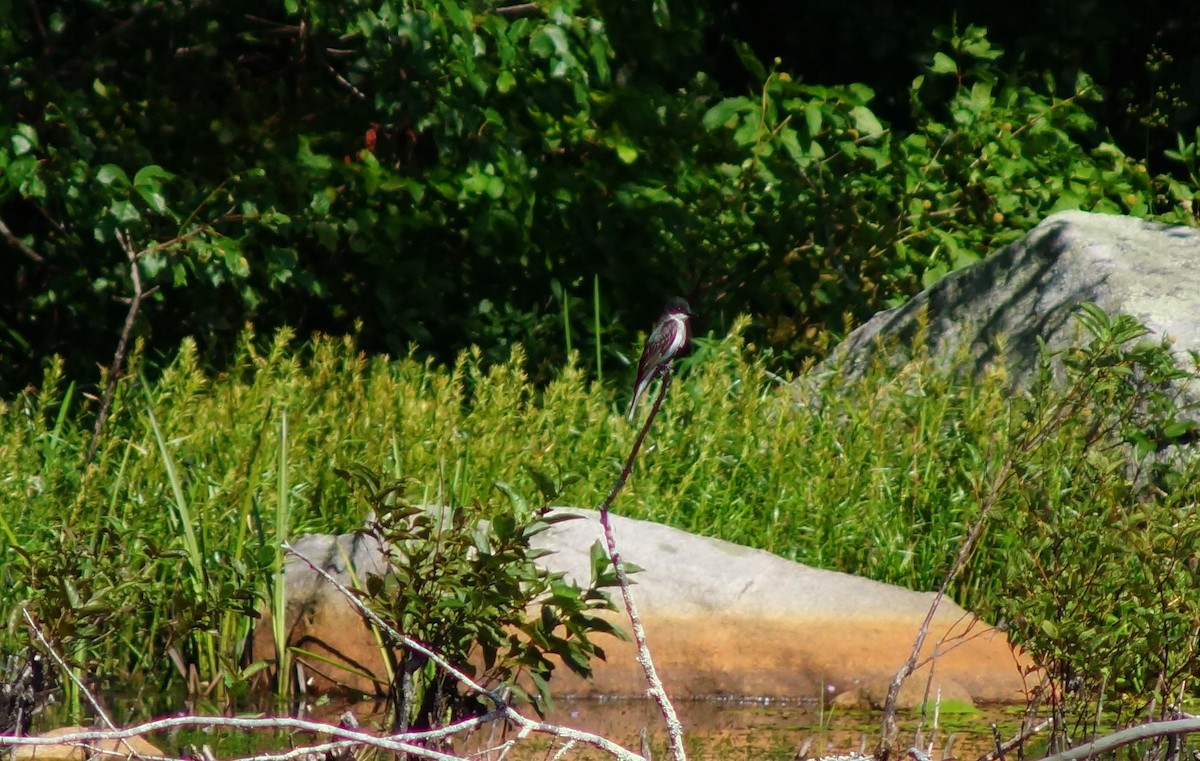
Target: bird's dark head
678,306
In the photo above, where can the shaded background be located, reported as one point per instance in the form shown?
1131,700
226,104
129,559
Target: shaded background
432,175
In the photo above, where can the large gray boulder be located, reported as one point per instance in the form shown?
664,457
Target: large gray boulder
1029,289
722,621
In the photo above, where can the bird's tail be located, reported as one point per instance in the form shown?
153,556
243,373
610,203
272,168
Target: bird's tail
633,403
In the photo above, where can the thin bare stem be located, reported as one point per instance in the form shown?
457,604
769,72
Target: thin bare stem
395,743
1044,428
114,370
964,553
70,674
1016,741
657,691
1109,743
135,303
19,244
519,9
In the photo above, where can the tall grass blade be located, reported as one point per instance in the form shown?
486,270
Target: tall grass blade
278,587
183,514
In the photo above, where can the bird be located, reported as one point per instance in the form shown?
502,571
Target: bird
669,337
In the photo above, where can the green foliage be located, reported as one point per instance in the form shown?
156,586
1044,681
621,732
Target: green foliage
471,588
825,213
174,528
1099,581
1183,191
457,174
1086,551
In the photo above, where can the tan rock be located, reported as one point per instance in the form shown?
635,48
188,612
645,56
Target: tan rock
721,620
320,620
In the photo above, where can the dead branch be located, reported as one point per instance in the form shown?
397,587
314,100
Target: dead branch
114,370
1025,734
19,244
657,691
1109,743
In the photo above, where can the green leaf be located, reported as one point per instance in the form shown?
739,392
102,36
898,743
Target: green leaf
24,139
124,212
943,64
315,161
813,118
660,10
518,502
746,55
20,171
235,261
865,121
111,174
505,81
544,482
751,128
1179,428
725,112
153,197
505,526
550,41
791,144
151,175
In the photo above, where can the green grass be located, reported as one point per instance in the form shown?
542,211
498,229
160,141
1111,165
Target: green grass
861,479
157,552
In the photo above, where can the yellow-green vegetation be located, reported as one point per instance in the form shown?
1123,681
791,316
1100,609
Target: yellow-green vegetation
163,546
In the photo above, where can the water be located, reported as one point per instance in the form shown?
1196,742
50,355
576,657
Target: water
759,731
714,730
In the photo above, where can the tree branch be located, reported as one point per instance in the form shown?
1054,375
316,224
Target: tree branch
19,244
657,691
114,370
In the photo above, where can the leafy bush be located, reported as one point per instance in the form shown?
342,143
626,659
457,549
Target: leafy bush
825,215
1098,580
473,591
452,174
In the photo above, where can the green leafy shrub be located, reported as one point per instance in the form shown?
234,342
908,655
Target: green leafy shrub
471,589
823,214
1098,578
453,174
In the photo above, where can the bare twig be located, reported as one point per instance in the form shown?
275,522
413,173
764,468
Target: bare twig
964,553
519,9
19,244
114,370
1022,736
395,743
1125,737
135,303
397,637
657,691
70,674
1044,428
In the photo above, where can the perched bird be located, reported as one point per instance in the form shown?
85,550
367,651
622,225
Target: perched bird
670,336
